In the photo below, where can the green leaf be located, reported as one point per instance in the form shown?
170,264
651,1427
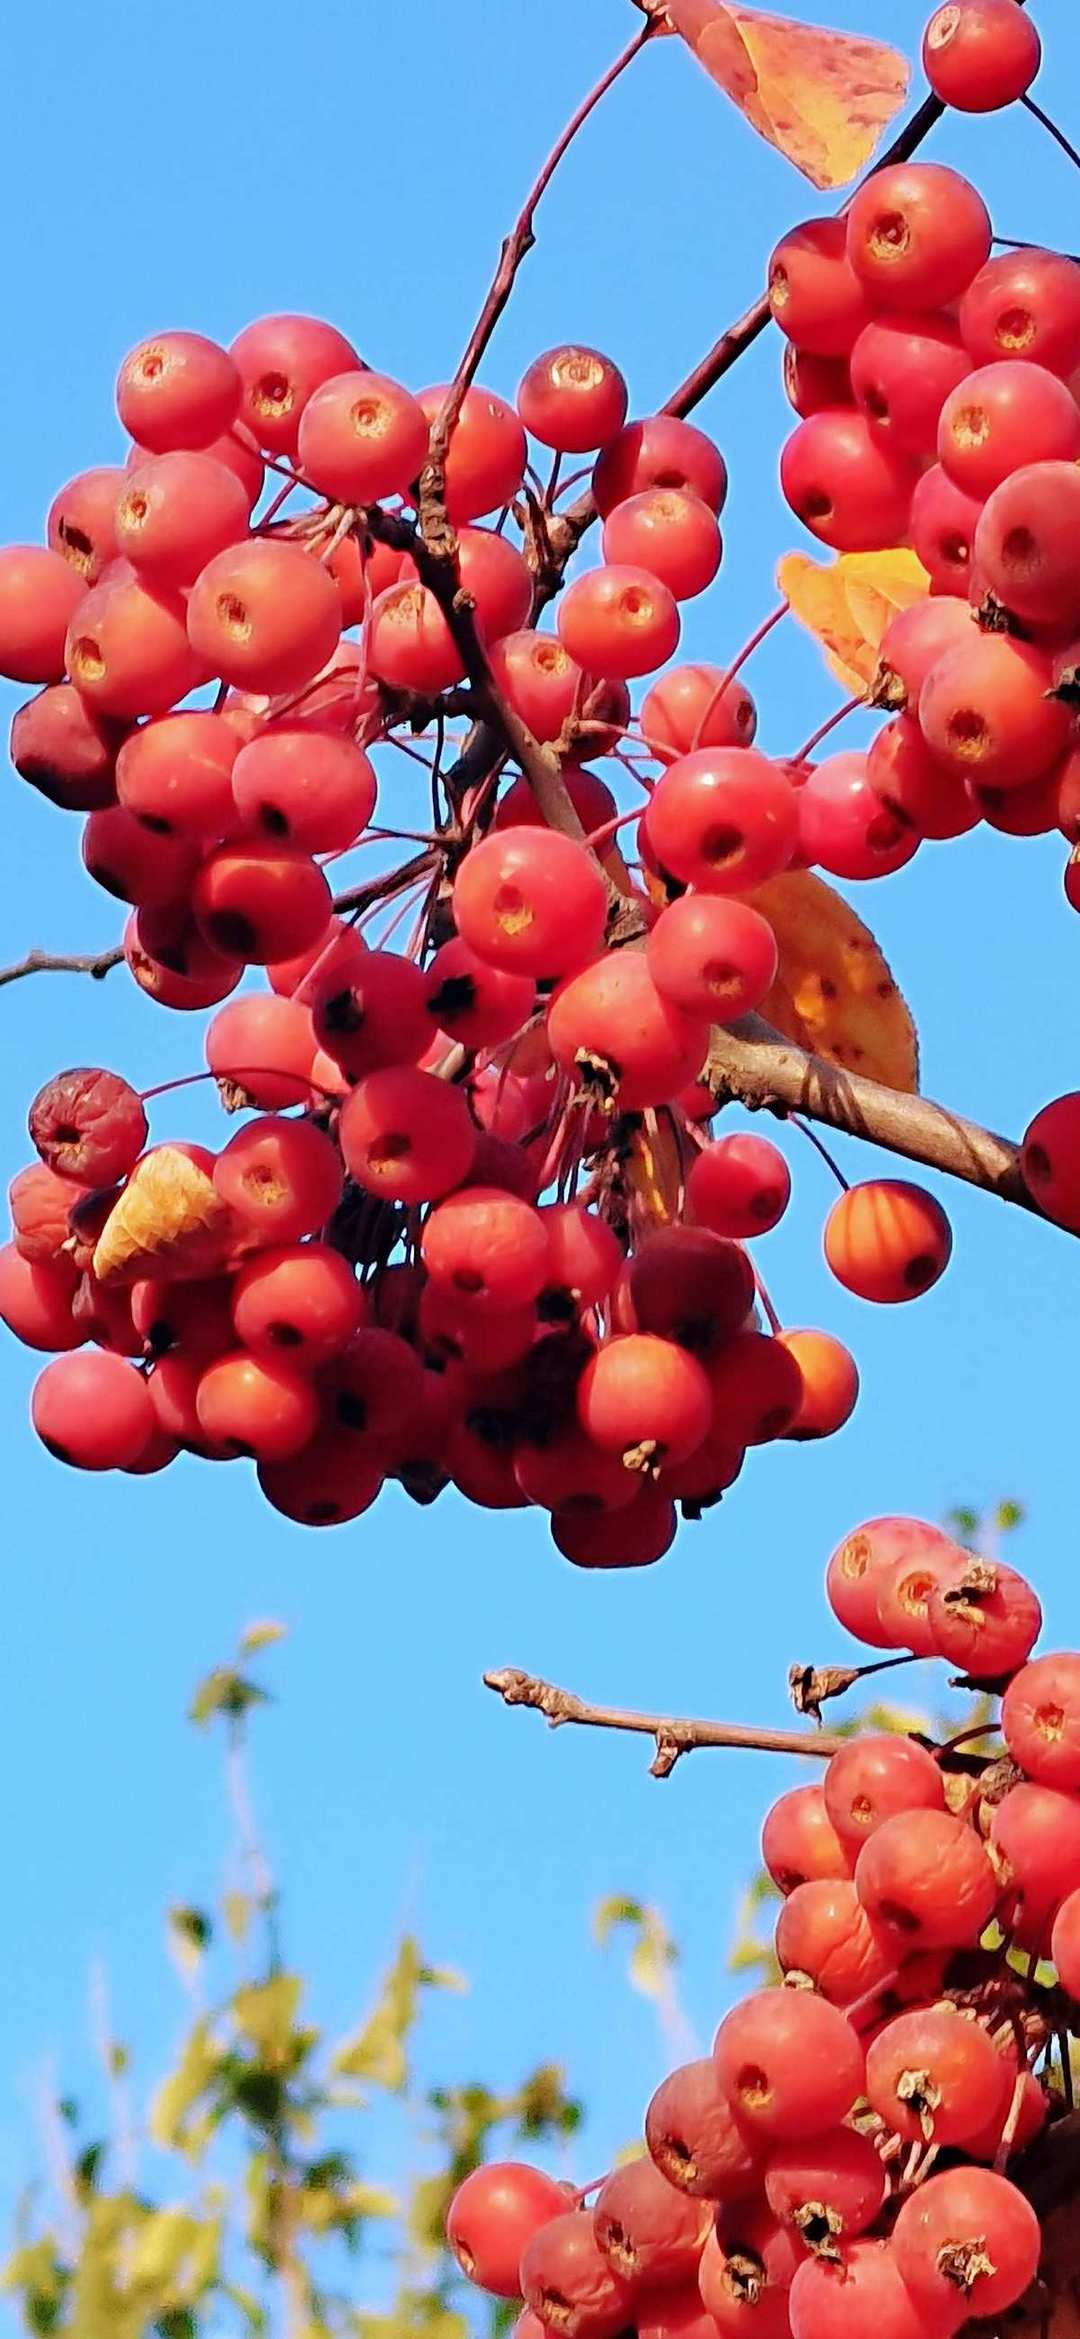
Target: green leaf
36,2270
261,1635
652,1956
259,2094
190,1932
42,2312
373,2201
224,1691
652,1953
117,2059
374,2052
87,2165
427,2211
1009,1515
199,2065
615,1911
377,2050
265,2012
443,1977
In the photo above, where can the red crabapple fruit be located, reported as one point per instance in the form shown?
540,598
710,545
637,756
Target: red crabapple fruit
981,55
829,2188
493,2216
1050,1160
696,2139
362,436
967,2237
925,1875
265,615
88,1125
485,463
566,2280
649,2231
92,1411
1040,1720
619,621
878,1774
531,902
799,1844
887,1240
723,819
738,1186
858,2290
935,2073
916,233
177,390
789,2063
713,957
830,1383
659,452
572,399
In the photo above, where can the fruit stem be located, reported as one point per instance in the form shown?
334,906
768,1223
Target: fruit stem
600,836
239,1073
583,2191
823,730
1049,124
762,1289
826,1156
747,650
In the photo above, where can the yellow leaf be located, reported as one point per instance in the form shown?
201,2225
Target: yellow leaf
823,98
374,2053
266,2012
652,1952
170,1220
848,602
160,2246
178,2095
261,1635
834,993
236,1909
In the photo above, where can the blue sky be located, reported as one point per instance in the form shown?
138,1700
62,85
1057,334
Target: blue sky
362,164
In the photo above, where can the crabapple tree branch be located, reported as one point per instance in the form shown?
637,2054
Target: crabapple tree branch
674,1736
96,963
751,1064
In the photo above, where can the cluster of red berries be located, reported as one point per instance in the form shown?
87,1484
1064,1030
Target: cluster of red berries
838,2164
405,1276
937,387
212,1303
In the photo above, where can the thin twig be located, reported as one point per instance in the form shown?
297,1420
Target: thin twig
516,247
674,1735
573,522
96,963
